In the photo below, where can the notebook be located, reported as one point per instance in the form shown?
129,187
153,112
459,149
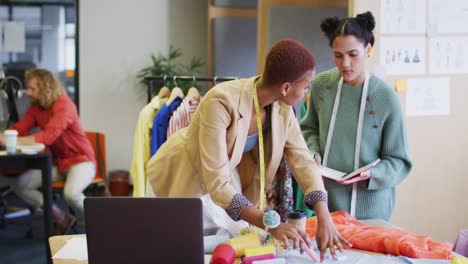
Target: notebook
342,176
144,230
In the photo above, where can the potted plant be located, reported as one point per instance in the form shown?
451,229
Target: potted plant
170,65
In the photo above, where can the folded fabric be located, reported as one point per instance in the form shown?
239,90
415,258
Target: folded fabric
213,237
383,239
460,260
461,244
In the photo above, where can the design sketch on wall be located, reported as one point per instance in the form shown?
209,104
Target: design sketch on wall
402,16
428,96
449,16
448,55
403,55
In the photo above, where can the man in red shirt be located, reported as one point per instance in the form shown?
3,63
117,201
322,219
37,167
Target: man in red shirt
61,131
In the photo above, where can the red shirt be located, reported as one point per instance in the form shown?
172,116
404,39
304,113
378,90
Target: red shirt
61,131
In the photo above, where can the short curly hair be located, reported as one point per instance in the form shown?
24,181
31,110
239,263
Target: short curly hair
287,61
50,87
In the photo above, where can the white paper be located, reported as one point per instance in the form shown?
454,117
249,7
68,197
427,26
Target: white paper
403,55
14,37
428,97
449,16
338,175
448,55
207,258
402,16
75,248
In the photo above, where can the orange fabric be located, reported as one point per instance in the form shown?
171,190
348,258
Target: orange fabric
383,239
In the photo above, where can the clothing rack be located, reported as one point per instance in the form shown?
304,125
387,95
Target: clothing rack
151,78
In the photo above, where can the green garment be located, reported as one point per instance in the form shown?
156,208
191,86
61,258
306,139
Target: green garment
383,136
298,193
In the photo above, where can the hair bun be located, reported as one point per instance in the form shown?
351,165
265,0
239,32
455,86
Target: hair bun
366,20
329,25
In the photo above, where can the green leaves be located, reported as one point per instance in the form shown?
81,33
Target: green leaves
170,65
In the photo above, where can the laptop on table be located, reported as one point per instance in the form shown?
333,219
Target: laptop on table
144,230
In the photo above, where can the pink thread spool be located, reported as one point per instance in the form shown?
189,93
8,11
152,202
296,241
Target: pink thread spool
223,254
249,260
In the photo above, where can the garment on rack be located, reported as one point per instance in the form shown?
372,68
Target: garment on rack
161,123
141,145
183,115
383,239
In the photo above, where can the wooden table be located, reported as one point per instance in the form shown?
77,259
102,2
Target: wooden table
57,242
42,162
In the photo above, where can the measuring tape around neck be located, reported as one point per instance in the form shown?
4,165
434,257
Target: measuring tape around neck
358,132
260,149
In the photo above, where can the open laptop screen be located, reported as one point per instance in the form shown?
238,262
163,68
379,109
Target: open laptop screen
144,230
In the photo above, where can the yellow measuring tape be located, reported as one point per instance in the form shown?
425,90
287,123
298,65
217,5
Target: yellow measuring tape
260,150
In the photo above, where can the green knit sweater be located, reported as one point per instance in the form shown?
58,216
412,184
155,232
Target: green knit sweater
383,136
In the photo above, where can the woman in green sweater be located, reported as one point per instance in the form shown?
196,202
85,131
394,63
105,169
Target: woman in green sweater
354,119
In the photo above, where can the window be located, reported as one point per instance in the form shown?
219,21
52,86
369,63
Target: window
50,39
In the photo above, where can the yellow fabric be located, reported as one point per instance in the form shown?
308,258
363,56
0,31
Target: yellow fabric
460,260
250,252
200,158
141,145
242,243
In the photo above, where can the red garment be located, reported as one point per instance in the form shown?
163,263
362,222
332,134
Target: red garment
61,130
383,239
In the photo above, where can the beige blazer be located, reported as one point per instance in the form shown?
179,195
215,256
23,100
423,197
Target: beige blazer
200,158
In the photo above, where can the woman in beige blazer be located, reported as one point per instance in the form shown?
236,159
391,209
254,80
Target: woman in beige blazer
204,157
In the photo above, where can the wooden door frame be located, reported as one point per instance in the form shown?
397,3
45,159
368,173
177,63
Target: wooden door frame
216,11
262,22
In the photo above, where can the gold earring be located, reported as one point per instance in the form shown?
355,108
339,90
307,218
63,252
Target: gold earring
371,53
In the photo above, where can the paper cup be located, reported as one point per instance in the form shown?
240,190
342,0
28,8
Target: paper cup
11,138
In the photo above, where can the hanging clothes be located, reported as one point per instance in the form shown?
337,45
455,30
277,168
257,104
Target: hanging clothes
386,240
141,145
183,115
161,123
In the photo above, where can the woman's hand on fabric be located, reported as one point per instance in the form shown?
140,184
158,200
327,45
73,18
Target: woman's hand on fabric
287,233
328,237
365,175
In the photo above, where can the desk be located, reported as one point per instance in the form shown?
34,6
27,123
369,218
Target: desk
57,243
42,162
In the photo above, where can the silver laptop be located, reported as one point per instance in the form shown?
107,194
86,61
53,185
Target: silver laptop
144,230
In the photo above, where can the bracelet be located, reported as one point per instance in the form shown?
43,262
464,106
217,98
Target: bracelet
271,219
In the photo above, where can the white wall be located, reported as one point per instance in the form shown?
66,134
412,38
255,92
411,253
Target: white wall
432,200
116,40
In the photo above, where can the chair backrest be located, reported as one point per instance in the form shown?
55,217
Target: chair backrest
98,142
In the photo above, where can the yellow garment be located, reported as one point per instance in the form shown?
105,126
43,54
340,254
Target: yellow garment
460,260
141,145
